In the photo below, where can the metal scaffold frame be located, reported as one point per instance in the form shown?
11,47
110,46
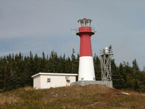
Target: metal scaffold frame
105,64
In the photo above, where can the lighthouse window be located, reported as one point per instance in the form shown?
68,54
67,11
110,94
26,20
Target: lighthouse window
82,24
86,24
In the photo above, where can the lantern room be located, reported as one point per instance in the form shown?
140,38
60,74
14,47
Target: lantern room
84,22
85,26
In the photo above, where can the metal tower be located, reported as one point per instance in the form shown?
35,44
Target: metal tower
106,64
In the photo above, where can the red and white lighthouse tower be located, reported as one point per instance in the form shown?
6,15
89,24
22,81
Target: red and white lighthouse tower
86,65
86,74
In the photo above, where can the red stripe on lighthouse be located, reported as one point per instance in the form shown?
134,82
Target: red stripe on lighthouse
85,44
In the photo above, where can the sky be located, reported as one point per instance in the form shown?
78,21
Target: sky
45,25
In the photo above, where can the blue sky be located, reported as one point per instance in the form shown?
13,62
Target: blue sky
45,25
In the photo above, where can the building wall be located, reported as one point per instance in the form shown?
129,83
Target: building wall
55,81
36,82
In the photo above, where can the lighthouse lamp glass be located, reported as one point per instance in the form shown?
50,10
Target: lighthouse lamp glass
84,23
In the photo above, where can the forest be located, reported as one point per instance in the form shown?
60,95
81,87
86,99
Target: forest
16,70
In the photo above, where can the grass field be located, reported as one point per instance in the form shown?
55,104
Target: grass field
72,97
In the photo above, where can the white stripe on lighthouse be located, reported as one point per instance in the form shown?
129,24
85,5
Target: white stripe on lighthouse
86,69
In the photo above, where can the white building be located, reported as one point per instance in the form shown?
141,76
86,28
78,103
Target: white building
48,80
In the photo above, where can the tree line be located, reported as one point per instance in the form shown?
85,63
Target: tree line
16,70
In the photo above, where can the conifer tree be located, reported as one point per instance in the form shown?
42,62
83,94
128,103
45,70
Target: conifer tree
43,63
31,69
97,67
73,61
68,65
53,62
122,75
37,64
135,65
116,78
63,64
59,67
1,74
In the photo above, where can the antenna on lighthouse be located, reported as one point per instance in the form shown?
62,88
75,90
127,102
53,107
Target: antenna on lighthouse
74,29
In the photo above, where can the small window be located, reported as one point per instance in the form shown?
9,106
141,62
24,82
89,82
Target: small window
68,81
48,79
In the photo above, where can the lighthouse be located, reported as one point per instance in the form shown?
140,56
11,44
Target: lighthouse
86,66
86,72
